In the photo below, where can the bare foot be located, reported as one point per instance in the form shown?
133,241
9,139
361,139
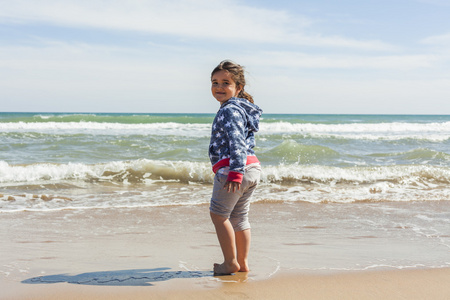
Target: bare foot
244,269
244,266
226,269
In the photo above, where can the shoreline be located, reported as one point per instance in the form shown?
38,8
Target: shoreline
315,250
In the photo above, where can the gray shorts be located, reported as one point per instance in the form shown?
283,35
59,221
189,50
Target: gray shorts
235,206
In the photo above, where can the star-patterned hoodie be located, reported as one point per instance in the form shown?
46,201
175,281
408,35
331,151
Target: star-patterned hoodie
233,137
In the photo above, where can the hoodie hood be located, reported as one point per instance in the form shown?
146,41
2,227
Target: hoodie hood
252,111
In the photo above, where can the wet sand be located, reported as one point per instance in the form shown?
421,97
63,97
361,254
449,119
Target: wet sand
298,252
416,284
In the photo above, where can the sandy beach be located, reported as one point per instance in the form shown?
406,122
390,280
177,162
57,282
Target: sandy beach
167,253
417,284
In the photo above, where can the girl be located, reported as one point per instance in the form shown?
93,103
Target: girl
234,162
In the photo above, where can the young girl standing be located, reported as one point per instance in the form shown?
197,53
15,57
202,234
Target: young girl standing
234,162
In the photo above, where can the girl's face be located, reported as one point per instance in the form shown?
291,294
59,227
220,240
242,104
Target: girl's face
223,86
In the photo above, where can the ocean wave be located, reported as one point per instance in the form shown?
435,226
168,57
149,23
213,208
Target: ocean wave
136,171
125,118
421,155
147,183
290,151
358,127
414,175
145,171
169,128
366,131
276,127
369,131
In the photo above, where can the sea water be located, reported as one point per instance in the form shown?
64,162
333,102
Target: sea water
370,173
74,159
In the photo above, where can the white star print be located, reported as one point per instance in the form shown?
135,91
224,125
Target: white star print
230,138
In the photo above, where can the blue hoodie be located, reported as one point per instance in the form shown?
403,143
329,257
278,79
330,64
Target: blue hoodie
233,137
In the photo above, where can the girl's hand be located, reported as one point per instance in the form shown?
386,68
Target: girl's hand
232,186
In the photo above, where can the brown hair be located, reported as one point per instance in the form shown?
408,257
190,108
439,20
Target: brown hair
237,73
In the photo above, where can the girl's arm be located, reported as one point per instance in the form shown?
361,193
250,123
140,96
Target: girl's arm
234,127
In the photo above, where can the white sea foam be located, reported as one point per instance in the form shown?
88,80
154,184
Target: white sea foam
278,127
358,127
169,128
370,131
184,171
138,170
356,175
142,183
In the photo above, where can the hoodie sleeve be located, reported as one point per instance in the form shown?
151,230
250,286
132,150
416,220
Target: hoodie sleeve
235,129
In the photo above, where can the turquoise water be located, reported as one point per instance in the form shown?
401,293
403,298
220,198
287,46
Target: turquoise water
304,157
341,140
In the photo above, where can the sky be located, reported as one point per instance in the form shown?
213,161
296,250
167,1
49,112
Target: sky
156,56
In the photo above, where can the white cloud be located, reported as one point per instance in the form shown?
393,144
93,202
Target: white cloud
58,76
278,93
225,20
443,39
330,61
61,76
333,76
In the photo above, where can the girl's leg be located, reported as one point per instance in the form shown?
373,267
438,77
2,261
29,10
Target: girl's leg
239,219
227,241
243,239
